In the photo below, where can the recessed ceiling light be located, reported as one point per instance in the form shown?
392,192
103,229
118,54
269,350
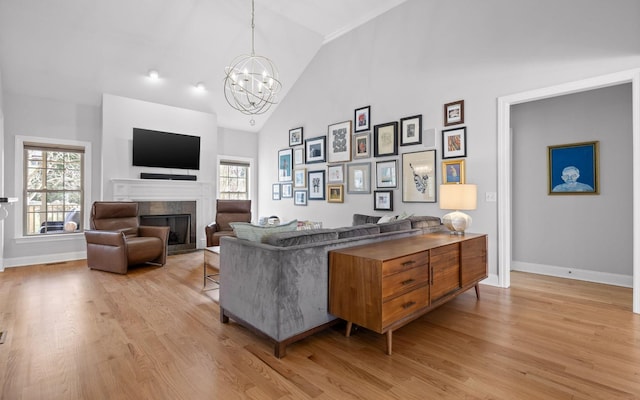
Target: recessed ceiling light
200,87
153,75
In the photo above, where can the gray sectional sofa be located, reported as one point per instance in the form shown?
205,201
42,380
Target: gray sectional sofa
279,286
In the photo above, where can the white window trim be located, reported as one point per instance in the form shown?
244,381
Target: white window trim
19,187
243,160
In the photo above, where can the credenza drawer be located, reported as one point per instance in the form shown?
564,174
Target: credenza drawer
399,307
404,281
406,262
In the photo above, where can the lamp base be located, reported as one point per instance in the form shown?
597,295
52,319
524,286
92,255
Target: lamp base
457,222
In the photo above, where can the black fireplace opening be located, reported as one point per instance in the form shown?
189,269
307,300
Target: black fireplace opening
179,230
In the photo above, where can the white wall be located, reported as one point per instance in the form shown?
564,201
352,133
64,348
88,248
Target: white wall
242,145
120,115
2,192
44,118
423,54
572,233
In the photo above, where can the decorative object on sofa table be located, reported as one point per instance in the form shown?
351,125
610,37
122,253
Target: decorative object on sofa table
339,142
458,197
454,113
362,119
454,143
453,171
411,130
419,177
251,82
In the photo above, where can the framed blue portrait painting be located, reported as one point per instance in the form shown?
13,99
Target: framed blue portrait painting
573,168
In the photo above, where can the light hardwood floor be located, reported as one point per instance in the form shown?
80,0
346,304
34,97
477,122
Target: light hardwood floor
73,333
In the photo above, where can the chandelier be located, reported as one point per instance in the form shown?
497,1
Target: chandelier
251,82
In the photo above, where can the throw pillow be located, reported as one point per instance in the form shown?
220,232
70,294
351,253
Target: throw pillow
386,218
404,215
254,233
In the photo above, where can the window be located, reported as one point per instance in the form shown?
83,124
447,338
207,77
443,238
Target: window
53,188
234,180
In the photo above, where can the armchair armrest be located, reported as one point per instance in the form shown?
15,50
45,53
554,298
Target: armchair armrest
105,238
209,231
161,232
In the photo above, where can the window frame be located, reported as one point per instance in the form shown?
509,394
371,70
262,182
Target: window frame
20,175
234,161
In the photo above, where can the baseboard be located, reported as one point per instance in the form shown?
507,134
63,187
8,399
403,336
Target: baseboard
574,273
491,280
44,259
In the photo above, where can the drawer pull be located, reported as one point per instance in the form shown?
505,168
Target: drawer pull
408,304
407,263
408,281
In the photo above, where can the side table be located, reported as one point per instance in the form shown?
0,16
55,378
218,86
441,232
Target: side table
212,261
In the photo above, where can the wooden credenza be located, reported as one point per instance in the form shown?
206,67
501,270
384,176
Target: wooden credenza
385,285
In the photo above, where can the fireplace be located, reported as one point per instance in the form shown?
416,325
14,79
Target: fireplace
179,216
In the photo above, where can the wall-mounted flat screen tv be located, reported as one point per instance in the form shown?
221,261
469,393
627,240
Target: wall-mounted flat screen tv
165,150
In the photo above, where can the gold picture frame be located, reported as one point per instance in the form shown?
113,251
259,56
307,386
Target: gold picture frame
335,193
453,172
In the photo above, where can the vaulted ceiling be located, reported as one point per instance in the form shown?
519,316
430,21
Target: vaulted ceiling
76,50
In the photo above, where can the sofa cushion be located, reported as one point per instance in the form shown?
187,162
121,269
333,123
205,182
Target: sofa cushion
254,233
360,219
424,221
393,226
358,230
294,238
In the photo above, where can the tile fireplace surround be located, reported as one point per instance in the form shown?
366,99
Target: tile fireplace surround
143,190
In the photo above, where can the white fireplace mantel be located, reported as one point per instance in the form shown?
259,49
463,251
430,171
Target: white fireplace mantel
170,190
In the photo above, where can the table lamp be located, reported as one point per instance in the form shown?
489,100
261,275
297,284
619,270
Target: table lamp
458,197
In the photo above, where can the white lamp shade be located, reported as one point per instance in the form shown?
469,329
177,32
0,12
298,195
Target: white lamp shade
458,197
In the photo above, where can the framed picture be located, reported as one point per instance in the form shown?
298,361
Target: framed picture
419,177
300,177
298,156
315,149
286,190
362,119
284,165
339,146
336,193
453,171
316,185
454,143
362,145
386,176
383,200
300,197
359,178
295,137
275,191
573,168
336,173
385,139
411,130
454,113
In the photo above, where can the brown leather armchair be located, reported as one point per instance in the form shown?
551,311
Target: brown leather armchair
227,211
117,241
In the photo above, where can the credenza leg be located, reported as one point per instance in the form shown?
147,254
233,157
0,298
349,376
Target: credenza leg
389,340
223,318
477,291
347,332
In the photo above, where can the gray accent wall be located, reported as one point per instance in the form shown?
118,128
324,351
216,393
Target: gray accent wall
573,232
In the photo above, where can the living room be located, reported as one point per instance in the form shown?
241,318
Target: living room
411,60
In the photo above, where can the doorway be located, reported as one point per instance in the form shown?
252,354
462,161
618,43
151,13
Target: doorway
504,164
